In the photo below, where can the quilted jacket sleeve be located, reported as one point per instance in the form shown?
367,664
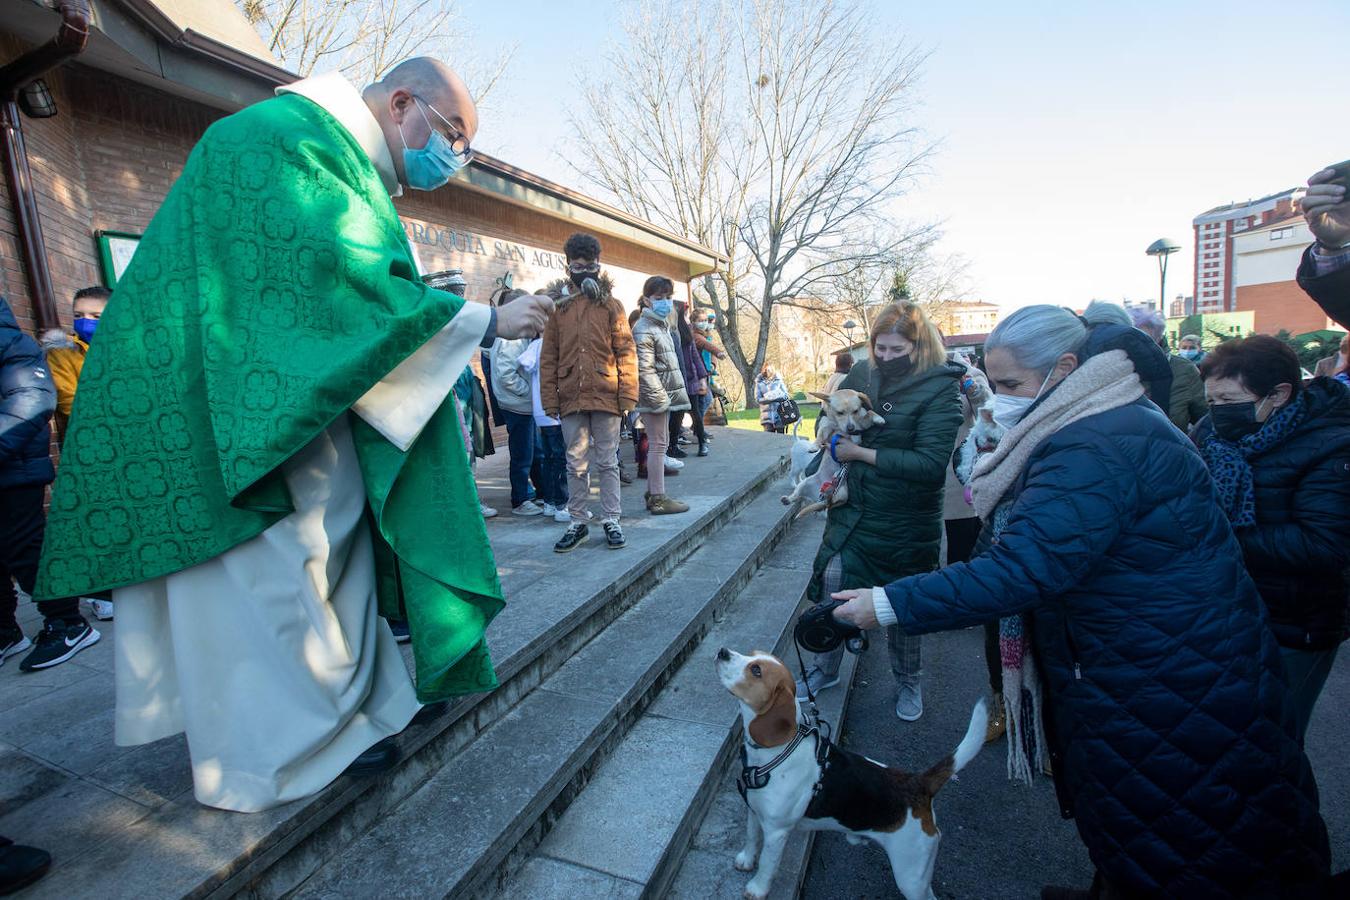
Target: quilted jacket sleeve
935,433
1331,291
548,368
27,396
1076,497
1318,537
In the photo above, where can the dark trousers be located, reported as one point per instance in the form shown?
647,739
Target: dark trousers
552,465
677,421
520,441
961,537
22,525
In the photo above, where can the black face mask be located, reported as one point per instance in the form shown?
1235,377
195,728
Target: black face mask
895,368
1234,421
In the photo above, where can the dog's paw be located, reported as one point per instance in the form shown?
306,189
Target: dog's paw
744,862
753,894
855,840
787,501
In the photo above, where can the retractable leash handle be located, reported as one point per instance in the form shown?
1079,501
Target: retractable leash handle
834,444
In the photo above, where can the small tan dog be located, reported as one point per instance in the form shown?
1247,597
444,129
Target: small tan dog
847,414
793,778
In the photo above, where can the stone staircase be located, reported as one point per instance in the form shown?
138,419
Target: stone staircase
621,747
589,770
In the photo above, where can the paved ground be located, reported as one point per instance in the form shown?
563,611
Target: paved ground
1002,840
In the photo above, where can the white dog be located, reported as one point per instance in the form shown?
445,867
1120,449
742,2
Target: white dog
793,777
845,413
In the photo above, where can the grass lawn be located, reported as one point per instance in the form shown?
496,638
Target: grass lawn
748,419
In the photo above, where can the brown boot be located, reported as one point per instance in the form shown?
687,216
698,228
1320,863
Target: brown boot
998,721
661,505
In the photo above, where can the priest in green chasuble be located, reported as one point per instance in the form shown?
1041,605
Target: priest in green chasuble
263,454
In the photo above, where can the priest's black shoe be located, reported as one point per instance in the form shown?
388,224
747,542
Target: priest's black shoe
20,866
379,758
429,712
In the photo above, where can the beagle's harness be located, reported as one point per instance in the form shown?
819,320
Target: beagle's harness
753,778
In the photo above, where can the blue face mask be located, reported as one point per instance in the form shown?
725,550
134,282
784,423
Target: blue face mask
662,307
84,329
430,167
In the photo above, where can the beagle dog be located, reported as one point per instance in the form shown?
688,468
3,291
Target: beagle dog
793,776
845,413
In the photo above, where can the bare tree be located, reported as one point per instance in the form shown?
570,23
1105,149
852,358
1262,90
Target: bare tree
774,131
364,39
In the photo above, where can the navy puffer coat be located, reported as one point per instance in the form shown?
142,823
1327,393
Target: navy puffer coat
1165,704
1300,546
27,400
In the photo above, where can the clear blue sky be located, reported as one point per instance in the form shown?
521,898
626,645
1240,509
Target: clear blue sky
1072,134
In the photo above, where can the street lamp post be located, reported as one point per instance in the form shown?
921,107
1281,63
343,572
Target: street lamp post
1162,248
849,325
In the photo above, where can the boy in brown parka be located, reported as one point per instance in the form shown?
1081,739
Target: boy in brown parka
588,380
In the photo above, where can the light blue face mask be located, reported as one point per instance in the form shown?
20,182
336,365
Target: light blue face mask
662,307
430,167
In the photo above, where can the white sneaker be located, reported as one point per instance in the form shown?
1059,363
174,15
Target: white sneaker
673,463
487,511
528,508
102,609
562,515
549,510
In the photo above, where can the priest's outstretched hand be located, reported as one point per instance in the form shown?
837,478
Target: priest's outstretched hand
524,317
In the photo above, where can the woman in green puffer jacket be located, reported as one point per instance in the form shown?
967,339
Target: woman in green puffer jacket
891,525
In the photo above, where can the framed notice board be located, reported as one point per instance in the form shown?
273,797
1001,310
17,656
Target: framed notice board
115,249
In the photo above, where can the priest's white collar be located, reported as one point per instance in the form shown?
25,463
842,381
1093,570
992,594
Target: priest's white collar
343,102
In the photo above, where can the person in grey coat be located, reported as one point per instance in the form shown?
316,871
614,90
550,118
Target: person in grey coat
661,387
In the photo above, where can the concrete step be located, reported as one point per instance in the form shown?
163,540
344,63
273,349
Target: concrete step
456,834
140,833
629,832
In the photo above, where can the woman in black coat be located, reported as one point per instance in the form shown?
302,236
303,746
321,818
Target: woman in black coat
1164,705
1280,457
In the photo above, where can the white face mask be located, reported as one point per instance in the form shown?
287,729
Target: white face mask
1009,410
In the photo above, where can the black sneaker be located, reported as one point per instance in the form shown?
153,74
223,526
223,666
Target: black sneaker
12,642
572,538
614,539
675,453
58,641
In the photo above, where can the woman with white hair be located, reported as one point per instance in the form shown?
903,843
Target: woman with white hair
1186,406
1164,708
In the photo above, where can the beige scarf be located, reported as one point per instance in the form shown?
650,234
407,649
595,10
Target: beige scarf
1106,381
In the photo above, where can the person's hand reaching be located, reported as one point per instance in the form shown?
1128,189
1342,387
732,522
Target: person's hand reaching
524,317
860,610
1326,210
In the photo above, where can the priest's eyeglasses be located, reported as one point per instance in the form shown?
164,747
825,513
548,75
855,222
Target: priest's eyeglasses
459,144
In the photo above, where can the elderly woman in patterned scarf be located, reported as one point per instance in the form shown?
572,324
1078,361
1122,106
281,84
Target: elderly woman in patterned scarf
1280,456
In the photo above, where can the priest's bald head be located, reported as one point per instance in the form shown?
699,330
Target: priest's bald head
424,108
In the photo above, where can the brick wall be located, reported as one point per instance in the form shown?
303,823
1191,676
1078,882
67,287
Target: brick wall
107,160
1281,305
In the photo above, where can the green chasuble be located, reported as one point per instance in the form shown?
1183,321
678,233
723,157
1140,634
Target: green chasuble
273,289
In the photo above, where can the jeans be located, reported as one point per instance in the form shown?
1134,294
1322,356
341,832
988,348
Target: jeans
657,427
905,649
592,437
553,466
23,522
1307,671
520,431
701,404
